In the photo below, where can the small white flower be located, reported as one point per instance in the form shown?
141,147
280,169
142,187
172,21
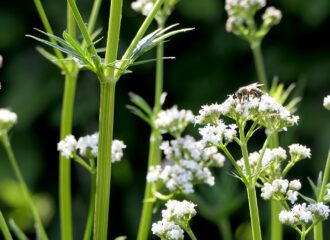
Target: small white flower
167,230
326,102
272,16
292,196
67,146
287,217
143,6
7,120
88,145
173,121
154,173
320,209
117,150
179,210
295,185
267,191
302,212
1,61
299,151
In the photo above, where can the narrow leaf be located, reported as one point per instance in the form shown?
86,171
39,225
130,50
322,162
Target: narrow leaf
17,231
139,113
141,103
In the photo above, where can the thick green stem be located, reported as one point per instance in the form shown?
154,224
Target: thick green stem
318,228
65,164
103,173
90,218
4,228
225,228
24,188
153,159
276,226
254,212
260,67
303,233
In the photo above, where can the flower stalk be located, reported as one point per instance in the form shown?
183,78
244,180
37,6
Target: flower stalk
4,228
9,151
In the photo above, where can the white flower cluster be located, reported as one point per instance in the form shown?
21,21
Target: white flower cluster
281,188
143,6
187,163
299,152
176,212
1,61
271,159
87,146
272,16
326,102
218,134
173,121
7,120
232,6
265,110
241,13
167,230
303,213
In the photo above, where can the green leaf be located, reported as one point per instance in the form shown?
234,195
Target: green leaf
52,58
140,114
121,238
17,231
314,187
141,103
308,199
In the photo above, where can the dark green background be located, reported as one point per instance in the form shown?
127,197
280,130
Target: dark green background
210,64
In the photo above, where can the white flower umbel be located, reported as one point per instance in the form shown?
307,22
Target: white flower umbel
265,111
326,102
7,120
218,134
117,150
235,7
272,16
320,210
167,230
143,6
299,152
281,189
173,121
299,214
179,211
89,144
67,147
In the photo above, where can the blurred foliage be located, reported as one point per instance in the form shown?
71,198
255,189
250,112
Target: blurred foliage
210,64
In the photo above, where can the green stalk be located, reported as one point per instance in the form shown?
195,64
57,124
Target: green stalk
153,159
4,228
106,120
224,228
318,228
260,67
254,212
154,143
66,128
190,232
26,194
90,218
103,173
276,226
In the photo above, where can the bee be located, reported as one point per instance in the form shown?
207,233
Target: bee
252,90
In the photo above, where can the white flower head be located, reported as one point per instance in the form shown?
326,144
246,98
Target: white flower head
143,6
117,150
179,211
326,102
299,214
320,210
272,16
88,145
67,146
7,120
173,121
219,133
167,230
299,151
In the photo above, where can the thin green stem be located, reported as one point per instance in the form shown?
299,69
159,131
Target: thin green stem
245,152
303,233
4,228
276,226
90,218
260,67
254,212
65,164
81,25
103,173
190,233
94,15
154,143
26,194
153,159
225,228
318,228
139,35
